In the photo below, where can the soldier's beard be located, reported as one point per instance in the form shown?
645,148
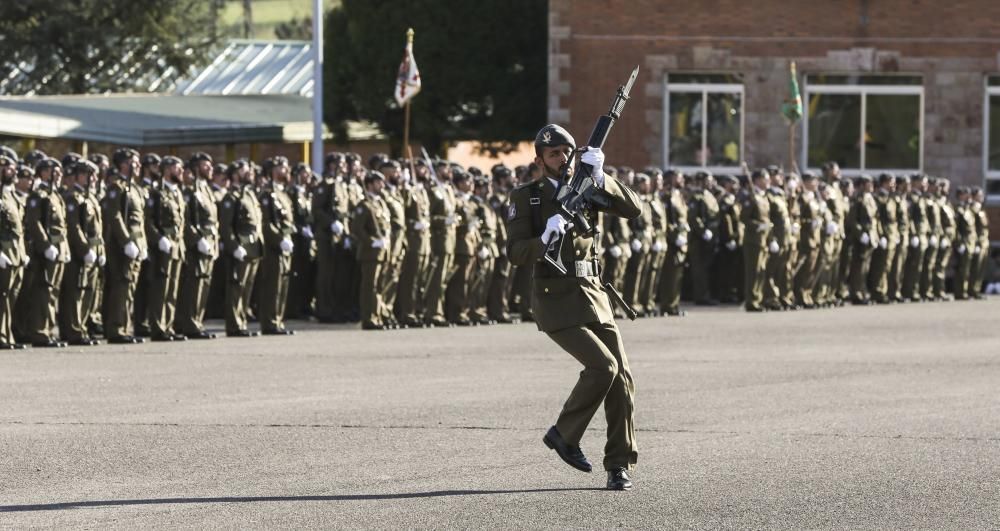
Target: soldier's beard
556,173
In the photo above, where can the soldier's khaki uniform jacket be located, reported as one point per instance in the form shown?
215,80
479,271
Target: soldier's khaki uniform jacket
965,228
863,219
240,222
498,202
45,224
781,220
331,201
812,223
902,218
490,227
948,225
124,219
277,223
84,224
558,301
838,206
467,237
616,234
372,221
201,221
982,227
703,212
443,219
888,217
641,227
12,228
417,209
677,222
393,199
919,225
658,216
165,219
755,216
932,214
730,228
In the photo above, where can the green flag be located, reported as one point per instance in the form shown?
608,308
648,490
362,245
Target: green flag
791,109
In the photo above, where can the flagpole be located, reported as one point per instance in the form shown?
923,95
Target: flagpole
406,119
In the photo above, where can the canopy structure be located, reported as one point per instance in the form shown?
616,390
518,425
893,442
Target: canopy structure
156,120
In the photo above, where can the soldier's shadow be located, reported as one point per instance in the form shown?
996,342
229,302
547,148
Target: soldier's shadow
264,499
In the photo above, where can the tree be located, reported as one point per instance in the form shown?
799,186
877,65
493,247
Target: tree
482,66
78,47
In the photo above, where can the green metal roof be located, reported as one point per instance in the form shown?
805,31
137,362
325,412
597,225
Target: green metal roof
159,119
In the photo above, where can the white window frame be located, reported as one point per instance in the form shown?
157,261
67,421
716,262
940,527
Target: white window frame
988,174
705,89
863,91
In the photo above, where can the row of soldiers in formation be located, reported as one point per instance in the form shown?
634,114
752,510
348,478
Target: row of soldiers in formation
780,242
135,246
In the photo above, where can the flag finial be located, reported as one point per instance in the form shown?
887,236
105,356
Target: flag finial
793,67
409,35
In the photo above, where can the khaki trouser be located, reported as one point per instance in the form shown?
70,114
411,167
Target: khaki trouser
927,272
605,378
670,280
36,308
479,287
192,298
274,277
370,297
122,280
861,258
896,268
442,268
164,281
457,293
633,279
878,279
496,298
912,270
77,300
10,280
650,282
754,274
807,271
240,278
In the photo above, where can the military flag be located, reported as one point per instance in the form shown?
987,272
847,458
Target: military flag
791,109
408,79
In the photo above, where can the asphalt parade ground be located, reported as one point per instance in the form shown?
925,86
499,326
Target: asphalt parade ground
858,417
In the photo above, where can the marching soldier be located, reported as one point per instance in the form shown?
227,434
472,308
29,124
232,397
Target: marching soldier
677,239
13,257
919,231
776,286
201,239
755,215
242,238
85,228
371,229
467,242
278,227
888,230
573,310
165,234
982,249
945,242
862,224
704,216
809,241
935,233
45,239
966,240
898,265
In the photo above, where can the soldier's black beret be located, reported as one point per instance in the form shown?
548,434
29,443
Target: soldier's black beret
99,158
123,154
25,172
9,152
387,163
6,160
84,166
886,178
375,161
808,176
69,159
170,160
641,178
501,170
32,157
47,163
198,157
733,180
373,176
553,135
219,168
150,159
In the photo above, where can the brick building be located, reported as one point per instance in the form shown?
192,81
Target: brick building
917,80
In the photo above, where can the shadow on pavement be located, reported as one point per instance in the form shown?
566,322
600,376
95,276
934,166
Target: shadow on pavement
253,499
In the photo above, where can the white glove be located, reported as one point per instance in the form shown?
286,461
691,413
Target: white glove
914,242
473,226
707,235
796,228
90,257
484,253
945,243
883,242
204,247
347,243
615,251
4,261
815,222
979,249
636,245
406,175
831,228
450,220
419,225
773,247
165,244
27,259
961,248
898,240
51,253
933,241
762,227
594,158
131,250
101,260
865,239
378,244
681,241
143,253
657,246
307,232
337,227
240,253
556,225
286,246
731,245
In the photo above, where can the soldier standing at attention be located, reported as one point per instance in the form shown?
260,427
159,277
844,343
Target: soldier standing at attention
12,253
371,228
903,238
966,240
125,242
201,238
303,278
85,229
443,228
278,226
641,229
948,230
573,310
862,225
809,240
730,238
242,237
704,216
413,272
165,232
490,230
500,283
392,196
677,241
649,278
467,240
755,216
149,180
982,249
919,230
334,264
45,239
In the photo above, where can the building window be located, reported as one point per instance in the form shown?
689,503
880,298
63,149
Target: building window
991,140
864,123
704,122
